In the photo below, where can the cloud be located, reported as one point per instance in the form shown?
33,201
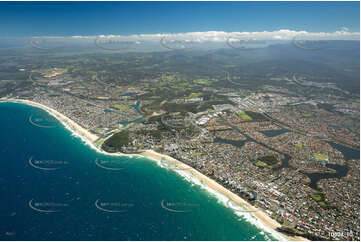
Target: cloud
221,36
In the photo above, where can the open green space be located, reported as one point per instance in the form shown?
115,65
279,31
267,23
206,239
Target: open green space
203,81
196,154
322,157
120,107
291,230
194,95
261,164
255,116
117,141
320,199
299,146
306,115
244,116
269,160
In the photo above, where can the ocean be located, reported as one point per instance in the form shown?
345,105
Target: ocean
55,186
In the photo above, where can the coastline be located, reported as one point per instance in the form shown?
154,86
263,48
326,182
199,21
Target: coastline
62,118
269,224
234,198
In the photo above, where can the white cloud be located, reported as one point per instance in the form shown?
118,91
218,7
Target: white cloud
220,36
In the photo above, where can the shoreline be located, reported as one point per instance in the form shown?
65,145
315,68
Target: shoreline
269,224
259,214
62,118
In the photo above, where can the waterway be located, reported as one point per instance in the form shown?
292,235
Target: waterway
275,132
341,171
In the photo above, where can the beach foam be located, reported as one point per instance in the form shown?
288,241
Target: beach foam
248,216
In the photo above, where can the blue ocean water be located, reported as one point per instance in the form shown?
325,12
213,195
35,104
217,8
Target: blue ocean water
55,187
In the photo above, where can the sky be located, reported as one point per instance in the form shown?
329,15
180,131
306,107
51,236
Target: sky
126,18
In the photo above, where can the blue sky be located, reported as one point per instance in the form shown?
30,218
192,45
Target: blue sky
124,18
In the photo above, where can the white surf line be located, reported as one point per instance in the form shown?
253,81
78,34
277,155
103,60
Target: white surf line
248,216
172,166
233,206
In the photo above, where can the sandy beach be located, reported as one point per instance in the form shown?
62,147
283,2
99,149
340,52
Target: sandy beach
259,214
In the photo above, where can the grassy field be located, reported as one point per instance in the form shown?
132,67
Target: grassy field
255,116
317,197
299,146
320,156
120,107
194,95
261,164
307,115
269,159
203,81
244,116
320,199
196,154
